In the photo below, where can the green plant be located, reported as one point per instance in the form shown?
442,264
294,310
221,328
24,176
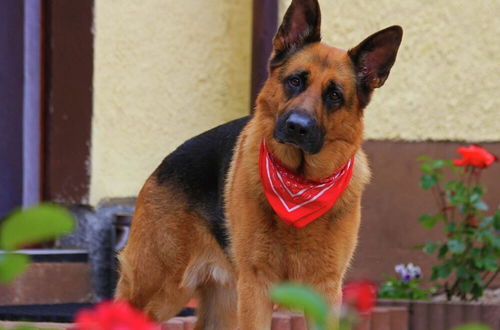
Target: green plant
472,326
34,225
405,286
470,252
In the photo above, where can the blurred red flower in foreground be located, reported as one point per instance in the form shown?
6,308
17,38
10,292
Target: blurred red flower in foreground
113,315
360,295
474,155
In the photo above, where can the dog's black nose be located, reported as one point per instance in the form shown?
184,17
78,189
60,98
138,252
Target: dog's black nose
299,126
300,129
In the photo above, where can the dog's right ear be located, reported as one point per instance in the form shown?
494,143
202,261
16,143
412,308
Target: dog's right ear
301,26
373,59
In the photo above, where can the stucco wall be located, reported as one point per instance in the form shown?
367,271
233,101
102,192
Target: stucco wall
165,70
444,85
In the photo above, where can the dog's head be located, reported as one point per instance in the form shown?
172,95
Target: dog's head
316,94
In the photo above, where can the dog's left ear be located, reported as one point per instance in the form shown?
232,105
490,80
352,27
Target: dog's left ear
373,58
301,26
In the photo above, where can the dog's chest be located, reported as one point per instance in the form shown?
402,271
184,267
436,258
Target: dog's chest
297,254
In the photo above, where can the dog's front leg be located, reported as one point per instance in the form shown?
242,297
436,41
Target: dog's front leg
254,306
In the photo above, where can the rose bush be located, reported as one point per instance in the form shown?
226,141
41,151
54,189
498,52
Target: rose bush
470,252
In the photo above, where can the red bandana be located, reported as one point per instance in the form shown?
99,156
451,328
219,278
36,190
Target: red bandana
295,200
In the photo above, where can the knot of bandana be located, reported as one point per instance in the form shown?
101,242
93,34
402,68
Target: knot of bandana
295,200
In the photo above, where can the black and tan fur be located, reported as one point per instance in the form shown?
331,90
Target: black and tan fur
202,225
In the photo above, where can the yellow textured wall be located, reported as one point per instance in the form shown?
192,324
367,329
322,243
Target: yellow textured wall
164,70
445,83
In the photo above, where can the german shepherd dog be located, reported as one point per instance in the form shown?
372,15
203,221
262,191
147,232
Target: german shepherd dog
206,223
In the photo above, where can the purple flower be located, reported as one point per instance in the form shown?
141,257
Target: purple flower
408,272
414,271
400,269
403,273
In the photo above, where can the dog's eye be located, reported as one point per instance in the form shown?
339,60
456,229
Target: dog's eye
334,96
295,82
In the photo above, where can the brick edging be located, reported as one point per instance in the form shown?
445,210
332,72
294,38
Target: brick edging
382,318
437,315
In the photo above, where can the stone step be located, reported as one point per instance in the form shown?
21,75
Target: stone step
53,276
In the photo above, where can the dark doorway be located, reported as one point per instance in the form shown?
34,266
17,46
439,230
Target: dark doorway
11,104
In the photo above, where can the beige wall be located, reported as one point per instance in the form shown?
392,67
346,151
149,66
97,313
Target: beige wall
165,70
445,83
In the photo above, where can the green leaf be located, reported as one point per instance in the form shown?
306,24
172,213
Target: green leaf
456,169
486,236
478,280
302,298
428,221
475,252
426,168
34,225
462,272
477,290
478,262
478,189
490,263
429,247
459,195
434,274
450,227
496,242
430,165
496,220
472,326
486,222
442,251
441,271
427,181
456,246
453,185
424,158
480,205
438,163
465,286
11,265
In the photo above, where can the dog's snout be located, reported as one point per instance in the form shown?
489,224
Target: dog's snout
298,126
300,129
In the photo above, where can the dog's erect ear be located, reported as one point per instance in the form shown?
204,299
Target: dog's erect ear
374,57
301,25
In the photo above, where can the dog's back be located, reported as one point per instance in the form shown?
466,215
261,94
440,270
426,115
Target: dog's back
199,167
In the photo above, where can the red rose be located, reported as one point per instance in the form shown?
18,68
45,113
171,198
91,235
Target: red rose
360,295
474,155
110,315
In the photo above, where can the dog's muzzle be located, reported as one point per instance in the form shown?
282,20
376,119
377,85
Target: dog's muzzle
299,129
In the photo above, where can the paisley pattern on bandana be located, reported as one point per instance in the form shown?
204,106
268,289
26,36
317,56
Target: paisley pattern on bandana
295,200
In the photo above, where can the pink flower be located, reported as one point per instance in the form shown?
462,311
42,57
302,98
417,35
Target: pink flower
474,155
113,315
360,295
